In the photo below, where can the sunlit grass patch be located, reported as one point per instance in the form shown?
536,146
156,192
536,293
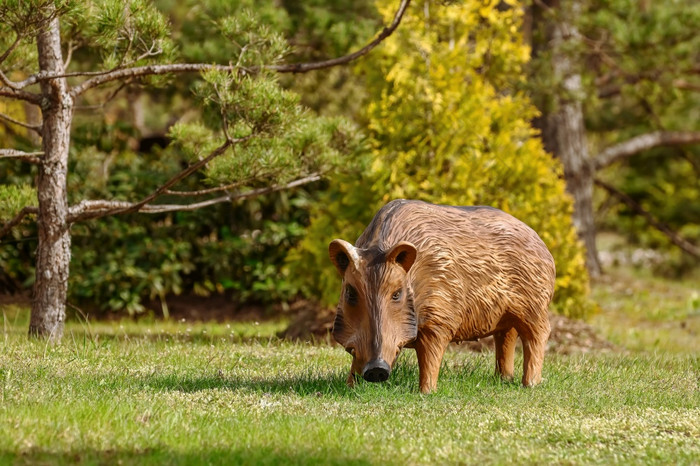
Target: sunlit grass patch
104,396
644,313
179,392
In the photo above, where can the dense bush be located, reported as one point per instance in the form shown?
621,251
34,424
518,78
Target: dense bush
120,262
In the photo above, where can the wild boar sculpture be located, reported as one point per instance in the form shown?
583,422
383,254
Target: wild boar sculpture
422,275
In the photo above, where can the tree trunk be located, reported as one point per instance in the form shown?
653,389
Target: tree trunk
53,252
567,140
562,125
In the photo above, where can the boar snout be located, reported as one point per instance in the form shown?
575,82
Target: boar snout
376,370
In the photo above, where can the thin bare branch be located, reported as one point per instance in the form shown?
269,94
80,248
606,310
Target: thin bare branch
18,218
386,32
9,119
675,238
611,85
20,94
180,176
87,210
686,85
644,142
7,81
69,53
31,157
139,71
82,211
10,49
154,50
45,75
203,192
104,103
229,187
272,189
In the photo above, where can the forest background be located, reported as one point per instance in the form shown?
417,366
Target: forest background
508,104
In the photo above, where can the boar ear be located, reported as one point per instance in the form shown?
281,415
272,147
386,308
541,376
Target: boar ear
342,254
403,254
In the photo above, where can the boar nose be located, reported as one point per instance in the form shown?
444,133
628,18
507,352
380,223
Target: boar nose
376,371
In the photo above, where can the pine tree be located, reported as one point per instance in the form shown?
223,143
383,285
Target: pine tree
60,54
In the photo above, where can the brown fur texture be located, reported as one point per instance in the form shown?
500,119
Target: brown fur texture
424,275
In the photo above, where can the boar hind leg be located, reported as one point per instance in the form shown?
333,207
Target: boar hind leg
534,346
505,352
430,349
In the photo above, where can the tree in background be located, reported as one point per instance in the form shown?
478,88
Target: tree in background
447,124
254,136
134,263
623,114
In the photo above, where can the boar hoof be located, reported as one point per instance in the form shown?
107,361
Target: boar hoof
376,371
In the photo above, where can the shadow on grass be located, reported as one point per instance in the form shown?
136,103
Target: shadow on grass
313,380
259,455
304,385
199,337
317,383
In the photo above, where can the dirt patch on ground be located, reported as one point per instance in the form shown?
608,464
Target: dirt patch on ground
217,308
568,336
214,308
15,299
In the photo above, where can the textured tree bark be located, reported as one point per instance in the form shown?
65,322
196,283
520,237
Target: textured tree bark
53,253
562,125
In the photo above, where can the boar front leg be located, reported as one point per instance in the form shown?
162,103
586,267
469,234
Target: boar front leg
351,379
430,348
351,376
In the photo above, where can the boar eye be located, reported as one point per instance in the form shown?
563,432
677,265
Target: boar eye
396,296
351,350
351,295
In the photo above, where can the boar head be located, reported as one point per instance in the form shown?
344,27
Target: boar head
375,316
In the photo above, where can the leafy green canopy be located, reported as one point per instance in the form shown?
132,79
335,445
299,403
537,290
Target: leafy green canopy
447,126
118,262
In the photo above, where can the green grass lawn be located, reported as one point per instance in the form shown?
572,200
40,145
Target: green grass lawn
181,393
644,313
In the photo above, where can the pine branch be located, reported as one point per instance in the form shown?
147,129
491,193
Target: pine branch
10,49
386,32
202,192
9,119
100,78
139,71
8,82
20,94
686,85
109,98
81,211
93,209
31,157
675,238
644,142
183,174
18,218
606,90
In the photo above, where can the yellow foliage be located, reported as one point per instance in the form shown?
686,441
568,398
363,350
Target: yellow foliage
13,109
448,126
